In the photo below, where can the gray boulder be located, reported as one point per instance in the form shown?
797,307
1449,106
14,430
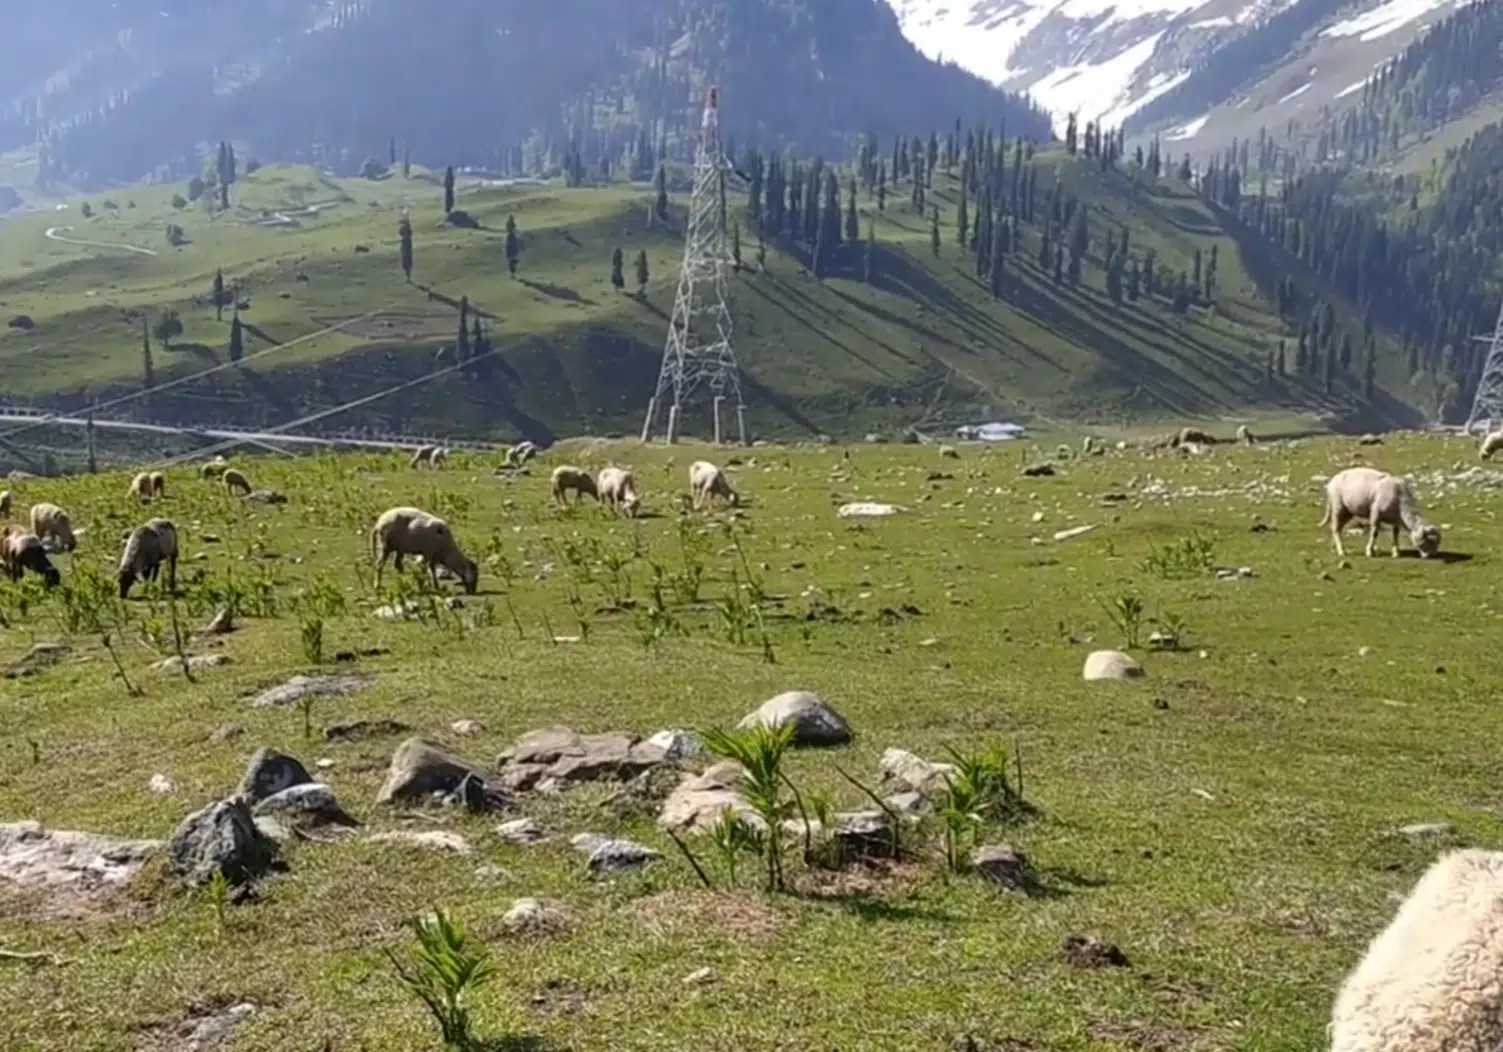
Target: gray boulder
268,773
815,722
223,838
560,757
419,769
310,808
612,854
699,800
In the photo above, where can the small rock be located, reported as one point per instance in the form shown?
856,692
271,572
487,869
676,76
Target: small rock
39,658
466,728
1428,831
309,806
196,662
419,769
902,771
1073,531
521,831
677,745
701,977
1087,951
1004,865
536,916
1364,651
490,873
612,854
816,723
162,785
1039,470
268,773
228,732
222,837
434,840
699,800
299,687
1111,665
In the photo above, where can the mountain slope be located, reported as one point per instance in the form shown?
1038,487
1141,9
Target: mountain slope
911,335
510,83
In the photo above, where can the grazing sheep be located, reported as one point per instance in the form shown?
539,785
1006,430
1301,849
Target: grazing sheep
146,549
1429,981
424,455
409,531
618,490
20,551
949,451
439,456
52,525
1490,445
214,468
1091,446
707,480
234,479
1194,435
140,487
1381,499
5,501
158,484
519,454
1063,452
1244,435
569,479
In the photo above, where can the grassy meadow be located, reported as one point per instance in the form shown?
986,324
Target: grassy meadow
923,339
1228,820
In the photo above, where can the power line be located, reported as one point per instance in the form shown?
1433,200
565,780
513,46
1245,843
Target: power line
322,414
50,418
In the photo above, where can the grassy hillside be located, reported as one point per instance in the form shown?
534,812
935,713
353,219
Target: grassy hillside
1229,821
924,339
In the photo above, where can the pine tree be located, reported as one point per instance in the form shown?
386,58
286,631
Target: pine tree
761,253
882,188
1370,370
218,295
997,257
448,189
660,204
852,223
406,164
934,232
237,338
1071,135
148,371
404,246
867,257
513,246
618,263
642,273
391,152
736,246
462,340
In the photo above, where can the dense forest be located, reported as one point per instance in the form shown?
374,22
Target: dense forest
480,83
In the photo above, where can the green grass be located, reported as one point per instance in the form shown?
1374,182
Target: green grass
924,341
1227,820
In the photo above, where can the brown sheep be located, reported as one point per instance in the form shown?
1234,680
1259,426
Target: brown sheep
234,479
52,525
569,479
140,487
402,532
158,484
147,548
21,550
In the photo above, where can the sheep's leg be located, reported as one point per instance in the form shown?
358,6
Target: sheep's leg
1337,523
1395,540
1372,535
380,565
398,562
172,574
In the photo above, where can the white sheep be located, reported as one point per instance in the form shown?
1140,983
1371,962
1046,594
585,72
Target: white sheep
439,456
519,454
214,468
1091,446
618,490
146,549
234,479
158,484
1491,443
52,525
1245,435
1429,981
140,487
569,479
707,480
21,550
5,501
424,455
402,532
1194,436
1381,499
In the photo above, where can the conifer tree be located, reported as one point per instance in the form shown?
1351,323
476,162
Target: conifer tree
934,232
404,246
218,295
618,275
513,246
642,273
148,371
237,338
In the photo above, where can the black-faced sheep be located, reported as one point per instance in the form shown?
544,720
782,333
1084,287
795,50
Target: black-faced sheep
569,479
618,490
405,532
52,525
1491,443
234,479
1382,500
707,480
21,550
1429,981
146,549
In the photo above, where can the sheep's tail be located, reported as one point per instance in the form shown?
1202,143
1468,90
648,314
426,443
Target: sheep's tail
1327,516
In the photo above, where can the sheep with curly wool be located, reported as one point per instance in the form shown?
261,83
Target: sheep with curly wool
1382,500
569,479
234,479
1429,981
146,549
403,532
52,525
618,490
706,480
22,550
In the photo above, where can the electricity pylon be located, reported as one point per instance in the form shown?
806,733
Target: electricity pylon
1487,405
698,351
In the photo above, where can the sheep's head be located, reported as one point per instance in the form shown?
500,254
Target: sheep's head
1426,540
35,559
127,578
632,504
468,574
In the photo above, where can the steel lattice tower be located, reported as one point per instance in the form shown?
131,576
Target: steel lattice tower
1487,405
698,351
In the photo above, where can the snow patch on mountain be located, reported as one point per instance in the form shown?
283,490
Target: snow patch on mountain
1382,20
